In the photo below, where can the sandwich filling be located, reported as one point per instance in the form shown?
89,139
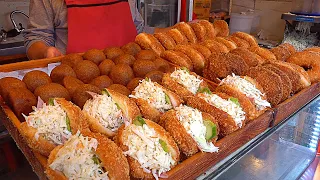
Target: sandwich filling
153,94
77,159
229,106
189,81
192,121
105,110
148,149
51,123
248,89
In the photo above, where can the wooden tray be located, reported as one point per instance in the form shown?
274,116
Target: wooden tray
188,169
293,104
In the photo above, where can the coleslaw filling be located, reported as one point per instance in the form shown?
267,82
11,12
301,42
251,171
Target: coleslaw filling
144,146
76,159
189,81
50,121
228,106
105,110
192,121
248,89
153,94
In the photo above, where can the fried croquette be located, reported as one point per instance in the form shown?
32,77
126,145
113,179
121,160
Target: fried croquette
131,48
21,100
229,44
105,66
199,30
249,57
61,71
113,52
134,83
8,83
238,41
289,47
102,82
143,67
120,89
202,49
247,37
36,78
166,40
125,59
270,81
178,37
71,84
94,55
121,74
52,90
281,53
81,95
215,47
221,27
162,65
267,55
149,42
71,60
210,30
146,55
186,29
178,58
155,76
86,71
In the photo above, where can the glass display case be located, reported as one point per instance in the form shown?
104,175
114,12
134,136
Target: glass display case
281,152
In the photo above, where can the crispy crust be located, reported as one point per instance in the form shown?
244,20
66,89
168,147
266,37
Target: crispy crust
249,57
225,121
221,27
238,41
178,37
112,159
135,170
309,60
313,49
216,68
149,42
128,108
197,58
199,30
187,31
166,40
202,49
281,53
178,58
270,81
247,37
230,45
289,47
215,47
267,55
43,146
210,31
237,64
177,88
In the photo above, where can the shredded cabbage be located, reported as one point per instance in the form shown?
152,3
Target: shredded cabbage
189,81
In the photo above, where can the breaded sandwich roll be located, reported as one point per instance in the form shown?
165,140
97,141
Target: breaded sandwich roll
183,82
249,93
52,124
226,109
108,111
150,150
153,99
87,156
191,129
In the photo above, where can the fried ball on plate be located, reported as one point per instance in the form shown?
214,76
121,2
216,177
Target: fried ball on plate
131,48
121,74
162,65
21,100
81,95
146,55
36,78
125,59
94,55
7,83
71,59
102,82
86,71
105,66
71,84
155,76
143,67
270,81
61,71
52,90
120,89
113,52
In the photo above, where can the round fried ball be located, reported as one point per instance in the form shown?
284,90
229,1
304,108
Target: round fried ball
86,71
121,74
21,101
162,65
125,59
155,76
52,90
81,95
131,48
120,89
8,83
133,83
71,59
71,84
61,71
102,82
94,55
34,79
146,55
143,67
113,52
106,66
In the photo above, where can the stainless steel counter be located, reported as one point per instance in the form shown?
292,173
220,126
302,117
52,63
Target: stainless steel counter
282,152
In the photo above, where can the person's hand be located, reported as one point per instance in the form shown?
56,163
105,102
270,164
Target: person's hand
51,52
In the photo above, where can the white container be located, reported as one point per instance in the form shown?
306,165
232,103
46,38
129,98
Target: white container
241,22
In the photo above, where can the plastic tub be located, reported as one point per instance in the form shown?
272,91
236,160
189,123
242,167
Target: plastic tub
241,22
